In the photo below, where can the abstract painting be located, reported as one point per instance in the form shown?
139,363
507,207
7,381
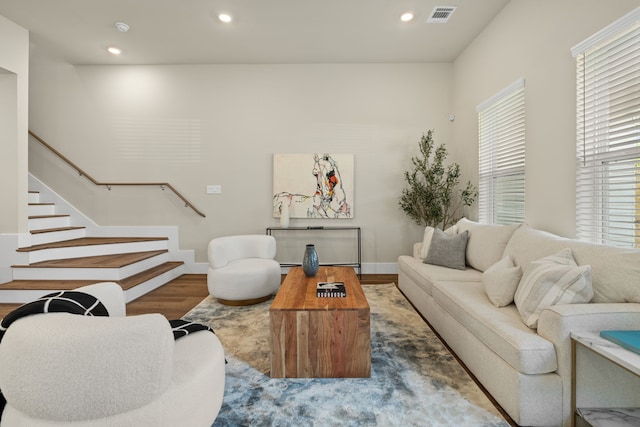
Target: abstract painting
313,185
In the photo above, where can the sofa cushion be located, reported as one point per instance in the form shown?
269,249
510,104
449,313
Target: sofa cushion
500,281
426,242
425,275
421,249
500,329
448,251
614,271
555,279
486,242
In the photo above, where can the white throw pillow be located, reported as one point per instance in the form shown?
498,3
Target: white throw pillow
552,280
500,281
486,242
426,242
452,231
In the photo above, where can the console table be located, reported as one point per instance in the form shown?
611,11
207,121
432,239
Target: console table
603,386
356,232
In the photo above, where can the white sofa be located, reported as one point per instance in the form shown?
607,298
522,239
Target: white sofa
61,369
527,371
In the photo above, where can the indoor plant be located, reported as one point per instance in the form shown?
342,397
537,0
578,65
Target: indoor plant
432,197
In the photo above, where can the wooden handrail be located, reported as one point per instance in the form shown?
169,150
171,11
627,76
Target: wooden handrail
162,185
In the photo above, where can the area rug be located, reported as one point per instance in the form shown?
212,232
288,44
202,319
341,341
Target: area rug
414,380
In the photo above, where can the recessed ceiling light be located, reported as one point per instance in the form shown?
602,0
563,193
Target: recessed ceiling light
224,17
114,50
122,27
406,17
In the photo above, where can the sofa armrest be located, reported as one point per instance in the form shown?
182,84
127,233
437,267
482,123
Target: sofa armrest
110,294
66,367
557,322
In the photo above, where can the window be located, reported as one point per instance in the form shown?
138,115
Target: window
608,134
501,157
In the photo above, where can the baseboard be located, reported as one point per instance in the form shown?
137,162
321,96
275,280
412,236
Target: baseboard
367,268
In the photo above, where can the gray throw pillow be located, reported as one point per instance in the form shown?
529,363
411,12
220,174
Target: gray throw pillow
448,251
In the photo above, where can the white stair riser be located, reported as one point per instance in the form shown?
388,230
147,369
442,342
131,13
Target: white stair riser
49,222
99,274
37,210
15,296
150,285
33,197
96,250
57,236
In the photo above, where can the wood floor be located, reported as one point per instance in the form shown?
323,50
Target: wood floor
177,297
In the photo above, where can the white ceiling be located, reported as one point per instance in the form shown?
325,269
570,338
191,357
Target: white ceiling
263,31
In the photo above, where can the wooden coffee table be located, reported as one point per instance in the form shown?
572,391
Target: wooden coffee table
315,337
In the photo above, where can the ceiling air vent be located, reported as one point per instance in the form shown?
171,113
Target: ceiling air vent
441,14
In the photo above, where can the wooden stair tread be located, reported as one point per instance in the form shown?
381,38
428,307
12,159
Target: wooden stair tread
31,285
52,230
99,261
136,279
48,216
65,285
41,204
89,241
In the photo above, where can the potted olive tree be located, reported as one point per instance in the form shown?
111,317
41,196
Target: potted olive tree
431,196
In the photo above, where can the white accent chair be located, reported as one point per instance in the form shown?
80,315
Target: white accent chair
243,269
61,369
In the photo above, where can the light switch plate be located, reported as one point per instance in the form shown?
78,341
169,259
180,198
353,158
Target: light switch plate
214,189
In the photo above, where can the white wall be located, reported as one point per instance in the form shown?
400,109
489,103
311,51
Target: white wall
14,85
532,39
14,107
233,118
8,166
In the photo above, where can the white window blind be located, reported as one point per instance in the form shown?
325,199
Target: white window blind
501,189
608,135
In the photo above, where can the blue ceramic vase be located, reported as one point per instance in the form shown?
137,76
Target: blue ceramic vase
310,263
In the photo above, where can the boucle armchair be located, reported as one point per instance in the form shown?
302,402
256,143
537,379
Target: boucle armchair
243,269
61,369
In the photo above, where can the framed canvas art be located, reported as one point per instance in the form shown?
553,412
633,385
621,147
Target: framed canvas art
313,185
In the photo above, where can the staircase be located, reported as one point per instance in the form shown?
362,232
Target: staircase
62,257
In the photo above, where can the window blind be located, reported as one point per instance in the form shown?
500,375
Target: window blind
608,135
501,167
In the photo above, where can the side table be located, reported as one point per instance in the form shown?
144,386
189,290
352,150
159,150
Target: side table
605,382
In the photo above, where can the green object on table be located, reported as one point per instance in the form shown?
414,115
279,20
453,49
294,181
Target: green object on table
627,339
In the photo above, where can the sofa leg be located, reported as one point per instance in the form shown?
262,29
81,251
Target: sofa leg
244,301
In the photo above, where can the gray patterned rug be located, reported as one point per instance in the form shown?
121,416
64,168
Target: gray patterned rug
414,379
